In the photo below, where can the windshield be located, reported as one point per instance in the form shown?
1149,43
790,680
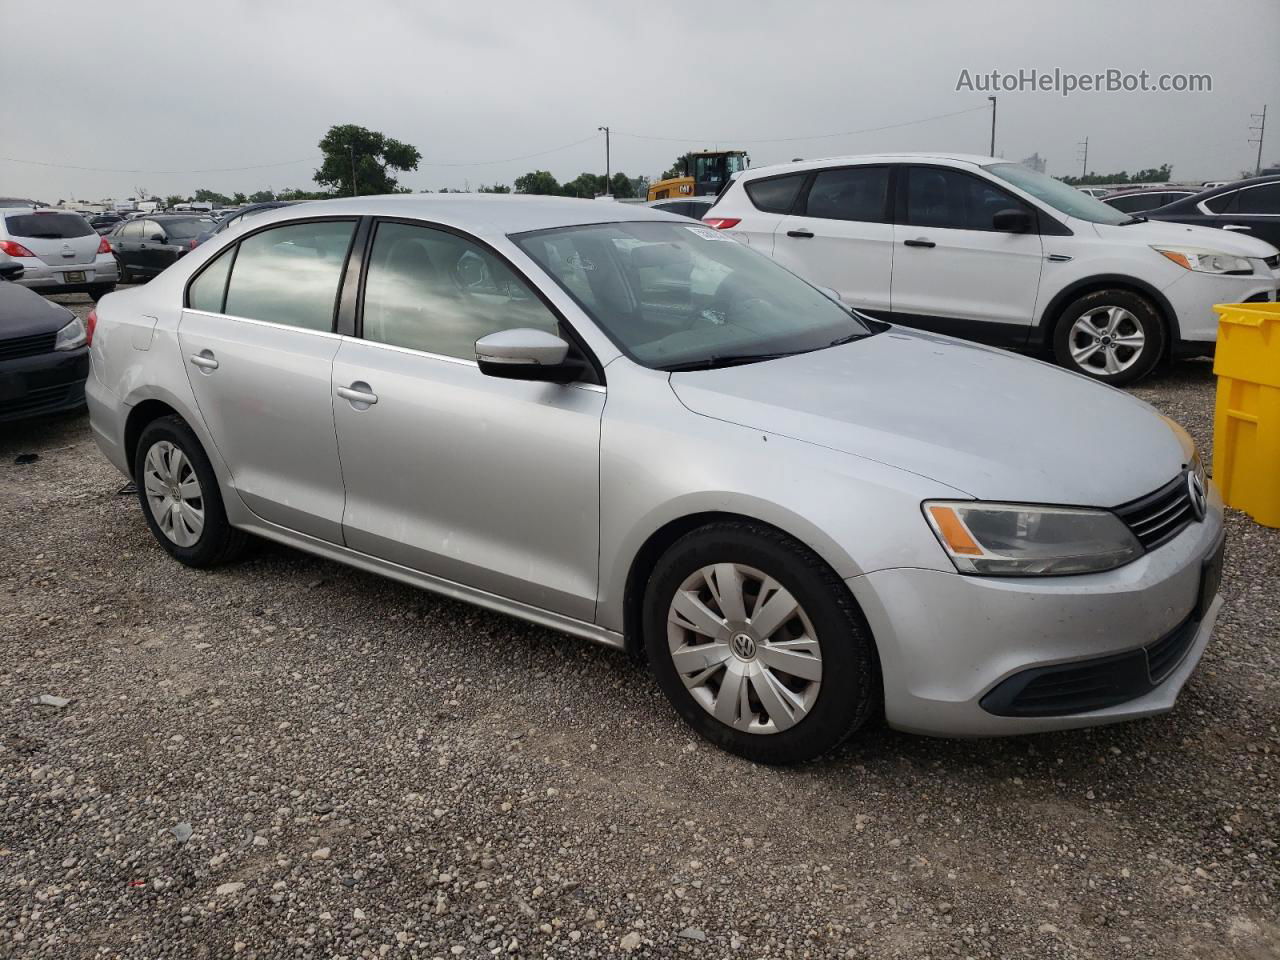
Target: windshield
185,229
672,295
1062,197
49,226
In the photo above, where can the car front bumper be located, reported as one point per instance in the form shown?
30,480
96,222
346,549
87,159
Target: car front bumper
49,278
45,383
946,641
1193,296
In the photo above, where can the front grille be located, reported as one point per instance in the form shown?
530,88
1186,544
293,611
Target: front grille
32,346
1159,517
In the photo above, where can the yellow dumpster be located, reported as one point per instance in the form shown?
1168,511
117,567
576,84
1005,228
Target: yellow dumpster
1246,420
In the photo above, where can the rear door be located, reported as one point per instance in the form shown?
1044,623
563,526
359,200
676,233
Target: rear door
953,272
841,236
57,238
259,353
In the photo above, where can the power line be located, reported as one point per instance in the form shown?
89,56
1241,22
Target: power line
816,136
68,166
527,156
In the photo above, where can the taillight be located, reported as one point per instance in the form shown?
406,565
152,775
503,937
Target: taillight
104,245
14,249
90,322
722,223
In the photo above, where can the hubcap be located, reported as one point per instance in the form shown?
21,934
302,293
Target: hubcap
173,493
1106,341
744,648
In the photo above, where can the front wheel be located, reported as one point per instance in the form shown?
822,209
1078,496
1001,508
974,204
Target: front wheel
758,644
1114,336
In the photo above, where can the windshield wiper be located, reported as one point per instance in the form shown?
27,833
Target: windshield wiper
841,341
1132,220
726,360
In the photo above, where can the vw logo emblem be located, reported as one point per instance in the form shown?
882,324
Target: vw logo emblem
744,646
1195,487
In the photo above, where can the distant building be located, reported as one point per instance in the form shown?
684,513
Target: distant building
1035,162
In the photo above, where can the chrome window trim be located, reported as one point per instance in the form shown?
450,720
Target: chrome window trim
262,323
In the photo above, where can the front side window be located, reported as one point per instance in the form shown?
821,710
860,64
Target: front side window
1058,195
151,230
132,230
434,291
940,197
676,296
776,194
1263,199
850,193
290,274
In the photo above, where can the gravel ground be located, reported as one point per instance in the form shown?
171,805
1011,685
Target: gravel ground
287,758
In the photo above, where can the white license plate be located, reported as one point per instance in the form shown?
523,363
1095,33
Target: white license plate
73,276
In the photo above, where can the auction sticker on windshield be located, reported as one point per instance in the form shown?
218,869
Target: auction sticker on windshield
706,233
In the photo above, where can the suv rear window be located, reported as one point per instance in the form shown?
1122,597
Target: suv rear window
776,194
48,226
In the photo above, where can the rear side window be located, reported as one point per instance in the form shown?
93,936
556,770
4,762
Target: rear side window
48,226
776,194
939,197
851,193
1264,199
290,274
1222,202
208,290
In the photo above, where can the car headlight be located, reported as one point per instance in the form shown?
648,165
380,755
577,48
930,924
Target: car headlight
1206,261
71,336
1021,540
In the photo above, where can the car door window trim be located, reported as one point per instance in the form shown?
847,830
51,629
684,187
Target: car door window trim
901,208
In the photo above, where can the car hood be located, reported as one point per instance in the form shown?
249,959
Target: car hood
24,313
989,423
1158,232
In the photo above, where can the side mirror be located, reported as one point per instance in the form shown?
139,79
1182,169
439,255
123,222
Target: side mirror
11,271
156,238
526,354
1011,221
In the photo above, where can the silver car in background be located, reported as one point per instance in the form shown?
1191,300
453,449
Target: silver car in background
58,250
624,425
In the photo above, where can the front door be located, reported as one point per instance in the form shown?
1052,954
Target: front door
952,271
260,368
486,482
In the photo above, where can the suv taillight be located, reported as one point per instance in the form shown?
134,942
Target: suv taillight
104,245
722,223
14,249
90,322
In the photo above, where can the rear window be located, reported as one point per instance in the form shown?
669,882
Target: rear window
777,194
48,226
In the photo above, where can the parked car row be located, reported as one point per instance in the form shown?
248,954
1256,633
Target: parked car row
800,515
994,252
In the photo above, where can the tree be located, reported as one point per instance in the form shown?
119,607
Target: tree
585,186
539,182
1160,174
173,200
262,196
496,188
678,169
211,196
294,193
374,155
238,199
621,186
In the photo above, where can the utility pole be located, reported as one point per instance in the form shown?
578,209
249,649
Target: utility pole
606,159
1262,130
1084,159
993,125
352,148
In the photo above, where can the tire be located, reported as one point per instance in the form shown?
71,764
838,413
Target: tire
1087,337
832,699
97,293
216,541
125,276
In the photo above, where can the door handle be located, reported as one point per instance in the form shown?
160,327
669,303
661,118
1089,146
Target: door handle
358,393
1235,226
919,243
205,360
801,234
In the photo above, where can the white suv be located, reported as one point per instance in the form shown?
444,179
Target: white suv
995,252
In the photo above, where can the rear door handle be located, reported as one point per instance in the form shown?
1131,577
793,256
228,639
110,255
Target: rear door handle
919,243
205,360
803,234
1235,226
358,393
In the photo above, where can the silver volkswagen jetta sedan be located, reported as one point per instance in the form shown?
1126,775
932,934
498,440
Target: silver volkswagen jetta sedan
620,424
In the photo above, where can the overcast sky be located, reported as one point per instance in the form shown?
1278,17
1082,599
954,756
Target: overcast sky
177,87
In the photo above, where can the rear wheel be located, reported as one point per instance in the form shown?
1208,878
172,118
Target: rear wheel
179,494
125,276
758,644
1115,336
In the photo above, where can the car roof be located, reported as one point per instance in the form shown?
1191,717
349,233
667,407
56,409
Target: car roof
972,159
483,214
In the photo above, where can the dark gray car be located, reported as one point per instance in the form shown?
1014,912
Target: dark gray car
44,352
